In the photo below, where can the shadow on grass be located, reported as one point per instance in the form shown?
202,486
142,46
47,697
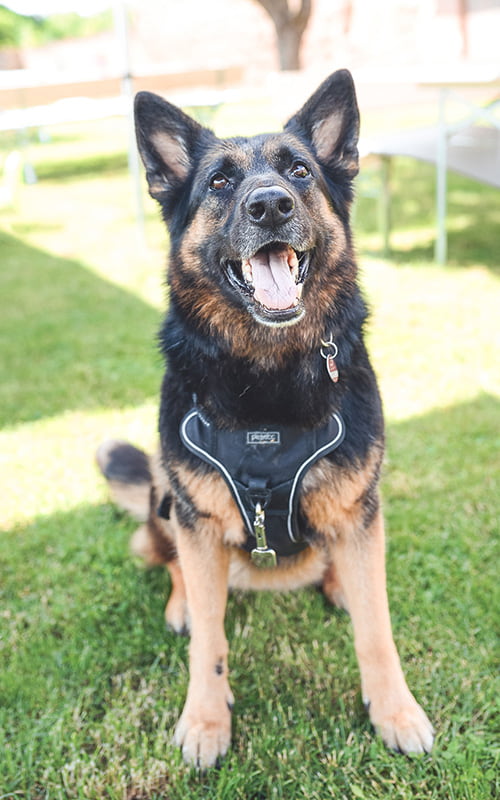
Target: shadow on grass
81,608
473,214
70,340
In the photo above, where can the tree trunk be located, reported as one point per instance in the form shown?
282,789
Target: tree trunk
290,26
289,47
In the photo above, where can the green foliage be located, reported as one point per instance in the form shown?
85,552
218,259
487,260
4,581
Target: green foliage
71,26
91,683
17,29
14,28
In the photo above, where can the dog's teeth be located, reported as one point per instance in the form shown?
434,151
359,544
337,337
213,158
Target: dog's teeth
246,268
300,286
293,263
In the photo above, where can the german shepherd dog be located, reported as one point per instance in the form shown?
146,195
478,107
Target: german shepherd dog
271,426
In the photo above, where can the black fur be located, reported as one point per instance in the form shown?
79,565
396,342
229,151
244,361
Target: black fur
127,464
292,387
261,274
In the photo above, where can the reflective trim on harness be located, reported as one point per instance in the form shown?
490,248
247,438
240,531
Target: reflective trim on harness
263,466
327,448
206,456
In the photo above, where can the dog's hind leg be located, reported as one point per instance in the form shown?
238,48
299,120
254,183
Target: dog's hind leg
131,475
332,588
176,610
360,559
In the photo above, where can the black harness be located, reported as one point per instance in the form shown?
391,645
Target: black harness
264,469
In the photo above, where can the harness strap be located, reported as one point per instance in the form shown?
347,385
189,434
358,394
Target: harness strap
266,466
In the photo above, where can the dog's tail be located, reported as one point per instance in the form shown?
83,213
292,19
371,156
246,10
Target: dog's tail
128,473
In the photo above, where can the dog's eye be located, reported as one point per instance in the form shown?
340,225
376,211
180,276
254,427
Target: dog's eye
299,170
218,181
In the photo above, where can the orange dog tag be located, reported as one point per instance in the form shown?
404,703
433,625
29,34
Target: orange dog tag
331,368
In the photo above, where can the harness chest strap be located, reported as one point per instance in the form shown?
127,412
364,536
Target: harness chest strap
265,467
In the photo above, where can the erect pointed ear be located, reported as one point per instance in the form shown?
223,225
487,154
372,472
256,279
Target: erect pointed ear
167,139
330,122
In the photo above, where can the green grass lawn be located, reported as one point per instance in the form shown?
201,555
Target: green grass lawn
90,682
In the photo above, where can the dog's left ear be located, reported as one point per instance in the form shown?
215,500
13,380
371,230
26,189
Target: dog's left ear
330,122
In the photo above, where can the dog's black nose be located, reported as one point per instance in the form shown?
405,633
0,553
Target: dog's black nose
270,206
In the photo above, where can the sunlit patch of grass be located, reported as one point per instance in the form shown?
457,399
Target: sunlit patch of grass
432,337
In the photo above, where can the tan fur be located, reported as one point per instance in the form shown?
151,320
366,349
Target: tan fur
176,610
305,569
133,498
326,132
213,500
332,500
173,152
349,562
160,479
326,498
394,712
351,565
142,546
204,728
231,326
332,588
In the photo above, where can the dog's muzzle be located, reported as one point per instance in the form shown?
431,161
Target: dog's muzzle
271,282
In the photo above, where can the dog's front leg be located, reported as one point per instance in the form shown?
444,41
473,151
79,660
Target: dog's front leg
360,560
204,728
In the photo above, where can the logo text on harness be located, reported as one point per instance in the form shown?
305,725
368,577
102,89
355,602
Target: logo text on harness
263,437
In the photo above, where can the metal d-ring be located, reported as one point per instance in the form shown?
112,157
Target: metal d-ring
329,343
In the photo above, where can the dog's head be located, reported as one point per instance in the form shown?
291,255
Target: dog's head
255,223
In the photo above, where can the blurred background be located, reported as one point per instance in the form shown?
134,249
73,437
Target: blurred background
242,66
257,36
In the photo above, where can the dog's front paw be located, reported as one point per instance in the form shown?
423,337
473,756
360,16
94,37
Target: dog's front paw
204,735
403,726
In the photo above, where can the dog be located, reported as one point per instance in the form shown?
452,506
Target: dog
271,426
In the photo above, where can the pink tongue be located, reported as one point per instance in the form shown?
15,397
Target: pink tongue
274,285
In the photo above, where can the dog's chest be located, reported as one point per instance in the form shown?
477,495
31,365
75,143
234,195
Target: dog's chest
264,468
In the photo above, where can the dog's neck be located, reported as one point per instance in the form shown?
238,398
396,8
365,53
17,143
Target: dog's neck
300,392
292,385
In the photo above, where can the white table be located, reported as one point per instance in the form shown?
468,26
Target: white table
481,151
464,146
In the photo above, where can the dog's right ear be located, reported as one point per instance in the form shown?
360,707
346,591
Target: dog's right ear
167,139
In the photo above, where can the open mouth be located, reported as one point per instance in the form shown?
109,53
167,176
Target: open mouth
272,279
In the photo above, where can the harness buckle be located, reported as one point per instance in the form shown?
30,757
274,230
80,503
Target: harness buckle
262,556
